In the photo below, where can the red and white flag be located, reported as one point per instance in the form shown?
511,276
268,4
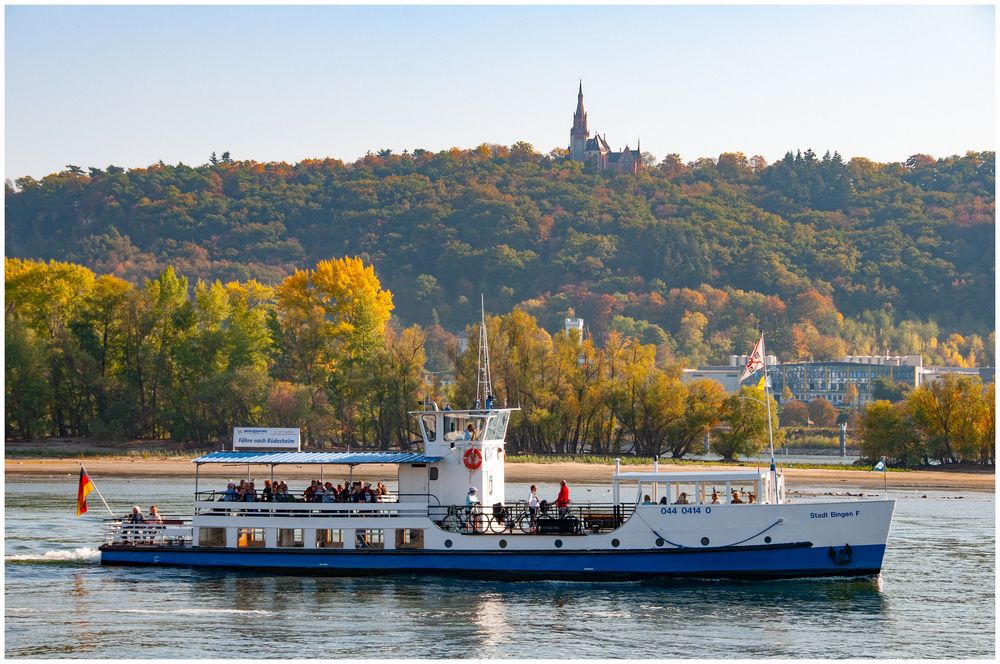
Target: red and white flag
755,361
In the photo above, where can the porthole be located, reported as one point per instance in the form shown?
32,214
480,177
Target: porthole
615,542
558,544
659,541
704,541
767,540
447,544
503,544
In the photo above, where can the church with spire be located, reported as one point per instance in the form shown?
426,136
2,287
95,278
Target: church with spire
596,150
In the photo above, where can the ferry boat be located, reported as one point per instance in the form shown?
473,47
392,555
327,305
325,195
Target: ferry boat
426,527
657,524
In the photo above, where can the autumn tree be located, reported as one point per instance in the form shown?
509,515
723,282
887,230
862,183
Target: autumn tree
822,413
794,413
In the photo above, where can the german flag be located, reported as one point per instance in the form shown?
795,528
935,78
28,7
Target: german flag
86,486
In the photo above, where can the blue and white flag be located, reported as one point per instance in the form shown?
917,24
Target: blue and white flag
880,466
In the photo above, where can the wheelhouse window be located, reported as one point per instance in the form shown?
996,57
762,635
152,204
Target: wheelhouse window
428,423
497,427
330,538
371,538
250,538
291,537
211,537
409,538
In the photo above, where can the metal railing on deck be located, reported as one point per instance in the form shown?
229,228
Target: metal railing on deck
172,532
517,518
417,506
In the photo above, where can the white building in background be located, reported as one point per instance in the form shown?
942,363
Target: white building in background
574,324
728,377
830,379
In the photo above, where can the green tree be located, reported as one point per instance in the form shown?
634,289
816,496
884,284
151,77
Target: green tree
886,431
746,415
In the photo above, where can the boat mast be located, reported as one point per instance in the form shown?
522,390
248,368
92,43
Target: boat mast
484,386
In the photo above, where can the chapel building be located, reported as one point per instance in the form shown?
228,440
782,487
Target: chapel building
596,150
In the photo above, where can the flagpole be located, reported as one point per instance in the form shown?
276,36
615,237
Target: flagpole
767,402
97,490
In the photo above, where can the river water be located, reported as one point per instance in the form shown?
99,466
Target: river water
934,599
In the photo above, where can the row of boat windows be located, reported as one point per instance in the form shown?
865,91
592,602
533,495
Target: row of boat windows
320,538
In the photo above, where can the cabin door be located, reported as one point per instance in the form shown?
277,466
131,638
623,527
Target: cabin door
423,483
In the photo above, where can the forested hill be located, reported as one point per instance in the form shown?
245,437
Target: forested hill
831,257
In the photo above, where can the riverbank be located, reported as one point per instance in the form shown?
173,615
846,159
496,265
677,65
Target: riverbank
181,466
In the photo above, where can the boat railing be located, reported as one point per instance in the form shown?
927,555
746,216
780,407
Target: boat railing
405,505
516,518
171,532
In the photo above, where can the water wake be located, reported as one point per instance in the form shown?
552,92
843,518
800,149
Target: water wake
82,554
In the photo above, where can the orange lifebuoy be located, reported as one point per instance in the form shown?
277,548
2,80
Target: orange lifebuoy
472,458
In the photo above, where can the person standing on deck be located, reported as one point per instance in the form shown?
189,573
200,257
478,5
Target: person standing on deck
472,508
562,500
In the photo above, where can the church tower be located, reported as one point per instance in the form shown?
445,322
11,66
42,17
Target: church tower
579,134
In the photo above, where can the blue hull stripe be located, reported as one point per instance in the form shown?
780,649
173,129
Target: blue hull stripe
865,560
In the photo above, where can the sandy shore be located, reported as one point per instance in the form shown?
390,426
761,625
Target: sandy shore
516,472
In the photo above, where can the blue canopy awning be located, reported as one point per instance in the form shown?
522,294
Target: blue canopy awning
348,458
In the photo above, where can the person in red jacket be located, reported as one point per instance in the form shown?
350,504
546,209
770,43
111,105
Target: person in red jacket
562,500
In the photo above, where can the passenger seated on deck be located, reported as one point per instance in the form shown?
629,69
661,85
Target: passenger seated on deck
751,498
715,497
682,499
735,500
663,500
267,494
135,516
250,496
470,432
646,500
381,491
329,495
230,494
154,515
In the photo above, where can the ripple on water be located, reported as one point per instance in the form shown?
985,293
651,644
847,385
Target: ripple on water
939,563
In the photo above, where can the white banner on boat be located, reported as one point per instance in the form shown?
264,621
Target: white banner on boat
266,438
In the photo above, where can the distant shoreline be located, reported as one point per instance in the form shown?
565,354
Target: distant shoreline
181,466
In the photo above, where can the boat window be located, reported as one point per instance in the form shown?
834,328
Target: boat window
371,538
428,423
409,538
497,426
330,538
432,472
211,537
291,537
250,538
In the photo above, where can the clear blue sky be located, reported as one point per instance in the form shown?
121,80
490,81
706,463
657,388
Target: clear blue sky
94,86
